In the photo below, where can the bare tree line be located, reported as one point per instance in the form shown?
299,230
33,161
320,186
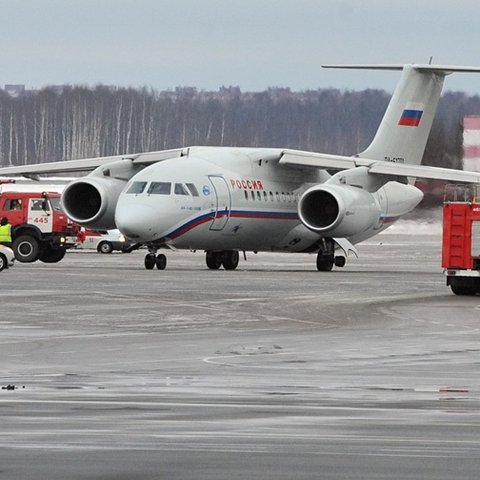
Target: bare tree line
79,122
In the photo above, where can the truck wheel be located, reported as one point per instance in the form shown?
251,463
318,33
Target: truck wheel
105,247
463,286
52,255
3,262
26,248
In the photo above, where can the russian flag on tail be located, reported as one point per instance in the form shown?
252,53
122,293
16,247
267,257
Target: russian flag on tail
411,115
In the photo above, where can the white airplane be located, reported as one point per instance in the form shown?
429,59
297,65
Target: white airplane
226,200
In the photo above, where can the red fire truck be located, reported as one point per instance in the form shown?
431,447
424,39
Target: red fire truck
40,229
461,239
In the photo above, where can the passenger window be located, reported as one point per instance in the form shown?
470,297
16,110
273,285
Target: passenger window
259,195
193,189
253,194
246,195
180,189
271,196
265,195
137,187
159,188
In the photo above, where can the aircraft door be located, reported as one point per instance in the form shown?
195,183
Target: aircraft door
224,202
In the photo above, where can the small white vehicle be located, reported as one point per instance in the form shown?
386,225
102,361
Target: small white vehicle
103,241
7,257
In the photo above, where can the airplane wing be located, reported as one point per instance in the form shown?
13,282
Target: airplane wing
338,162
87,164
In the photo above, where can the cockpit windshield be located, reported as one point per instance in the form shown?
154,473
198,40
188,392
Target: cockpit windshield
137,187
160,188
163,188
193,189
180,189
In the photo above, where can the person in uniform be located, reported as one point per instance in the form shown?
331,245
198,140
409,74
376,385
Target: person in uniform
5,232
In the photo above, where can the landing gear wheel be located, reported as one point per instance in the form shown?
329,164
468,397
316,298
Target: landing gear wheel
3,262
161,261
26,248
150,261
326,255
324,262
52,255
340,261
230,259
213,259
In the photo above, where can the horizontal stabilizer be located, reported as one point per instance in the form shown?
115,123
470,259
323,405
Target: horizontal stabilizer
441,69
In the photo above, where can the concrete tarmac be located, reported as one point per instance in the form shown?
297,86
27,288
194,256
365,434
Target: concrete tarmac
273,371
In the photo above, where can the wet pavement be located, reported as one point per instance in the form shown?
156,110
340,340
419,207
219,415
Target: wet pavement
273,371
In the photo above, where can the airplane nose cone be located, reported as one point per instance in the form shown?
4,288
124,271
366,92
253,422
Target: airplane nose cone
137,222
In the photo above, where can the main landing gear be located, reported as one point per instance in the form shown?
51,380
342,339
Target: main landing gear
153,260
326,258
227,258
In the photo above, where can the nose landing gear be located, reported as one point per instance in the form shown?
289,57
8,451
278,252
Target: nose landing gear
152,260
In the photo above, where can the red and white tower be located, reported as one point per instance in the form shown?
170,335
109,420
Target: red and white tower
471,143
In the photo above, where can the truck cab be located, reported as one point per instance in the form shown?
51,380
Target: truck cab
40,228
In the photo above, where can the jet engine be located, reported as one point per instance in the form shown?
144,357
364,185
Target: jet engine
338,210
91,201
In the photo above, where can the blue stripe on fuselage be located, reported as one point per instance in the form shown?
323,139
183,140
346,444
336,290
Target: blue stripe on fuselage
250,214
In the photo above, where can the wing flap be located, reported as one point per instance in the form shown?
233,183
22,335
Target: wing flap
423,171
378,167
317,160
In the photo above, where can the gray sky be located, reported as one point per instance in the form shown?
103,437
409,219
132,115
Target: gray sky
250,43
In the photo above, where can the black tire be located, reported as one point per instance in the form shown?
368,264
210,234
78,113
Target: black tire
149,261
26,248
214,260
325,262
105,247
3,262
230,260
53,255
161,262
463,286
340,261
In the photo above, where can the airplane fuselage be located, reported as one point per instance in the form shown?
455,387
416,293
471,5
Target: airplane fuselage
235,199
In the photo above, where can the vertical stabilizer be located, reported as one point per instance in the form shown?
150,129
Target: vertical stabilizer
403,132
405,127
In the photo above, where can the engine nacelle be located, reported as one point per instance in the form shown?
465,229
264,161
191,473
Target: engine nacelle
338,210
91,201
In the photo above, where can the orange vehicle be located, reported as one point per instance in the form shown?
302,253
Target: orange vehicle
461,239
40,228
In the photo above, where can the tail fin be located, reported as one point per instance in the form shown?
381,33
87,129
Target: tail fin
405,127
